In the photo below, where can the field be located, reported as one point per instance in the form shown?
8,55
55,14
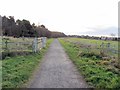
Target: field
109,47
16,44
19,46
97,61
16,71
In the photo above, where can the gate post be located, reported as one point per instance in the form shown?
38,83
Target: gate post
35,45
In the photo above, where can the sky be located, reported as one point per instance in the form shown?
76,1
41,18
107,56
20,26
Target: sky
88,17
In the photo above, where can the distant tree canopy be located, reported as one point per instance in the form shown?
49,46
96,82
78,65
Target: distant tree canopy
23,28
57,34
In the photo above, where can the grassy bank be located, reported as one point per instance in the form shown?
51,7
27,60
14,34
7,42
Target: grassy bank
17,70
97,72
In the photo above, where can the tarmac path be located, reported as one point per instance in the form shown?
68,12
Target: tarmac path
57,71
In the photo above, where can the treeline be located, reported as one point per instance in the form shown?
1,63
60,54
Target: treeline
23,28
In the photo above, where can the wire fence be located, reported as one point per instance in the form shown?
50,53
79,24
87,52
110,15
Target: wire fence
107,48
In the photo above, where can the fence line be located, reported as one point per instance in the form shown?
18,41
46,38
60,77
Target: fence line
105,47
33,46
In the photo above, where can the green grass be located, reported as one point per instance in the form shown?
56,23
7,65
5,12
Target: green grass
16,71
97,73
93,42
13,44
95,45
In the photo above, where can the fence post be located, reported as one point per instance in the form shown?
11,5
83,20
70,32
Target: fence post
35,45
102,45
39,44
108,47
44,45
6,48
43,42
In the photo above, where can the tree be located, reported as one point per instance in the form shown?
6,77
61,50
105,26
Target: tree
23,27
8,25
43,26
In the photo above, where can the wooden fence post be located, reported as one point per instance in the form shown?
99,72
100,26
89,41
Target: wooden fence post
43,42
36,42
39,44
35,45
102,45
6,45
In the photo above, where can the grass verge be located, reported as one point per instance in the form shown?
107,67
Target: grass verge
16,71
95,72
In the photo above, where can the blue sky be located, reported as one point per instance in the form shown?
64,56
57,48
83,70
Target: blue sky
68,16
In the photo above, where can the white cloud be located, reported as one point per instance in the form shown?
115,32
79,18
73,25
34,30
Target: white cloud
70,16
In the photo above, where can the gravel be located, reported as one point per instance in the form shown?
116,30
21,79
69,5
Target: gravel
57,71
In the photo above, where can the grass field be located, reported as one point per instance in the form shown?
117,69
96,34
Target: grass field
99,73
96,46
16,71
10,46
16,44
